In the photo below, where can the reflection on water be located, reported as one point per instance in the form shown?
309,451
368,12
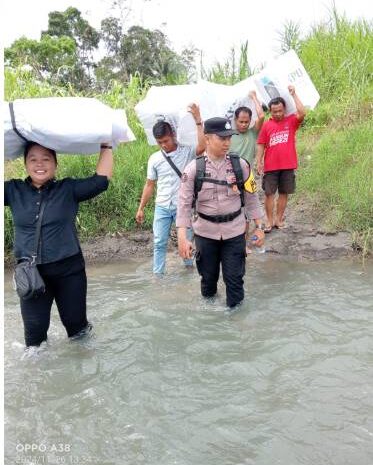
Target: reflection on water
168,378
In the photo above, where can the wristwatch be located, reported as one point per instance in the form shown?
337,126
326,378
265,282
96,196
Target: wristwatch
259,226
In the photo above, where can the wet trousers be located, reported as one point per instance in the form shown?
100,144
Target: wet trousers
66,284
163,219
230,253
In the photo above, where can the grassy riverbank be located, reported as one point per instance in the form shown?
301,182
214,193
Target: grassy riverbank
335,144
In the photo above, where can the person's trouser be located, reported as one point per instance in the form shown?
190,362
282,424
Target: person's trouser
231,254
66,283
163,219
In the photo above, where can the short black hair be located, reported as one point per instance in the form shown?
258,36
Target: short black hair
276,101
161,129
245,110
31,144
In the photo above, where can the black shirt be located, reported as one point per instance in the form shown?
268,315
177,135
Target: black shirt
58,232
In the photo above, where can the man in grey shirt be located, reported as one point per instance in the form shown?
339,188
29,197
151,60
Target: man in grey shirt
164,170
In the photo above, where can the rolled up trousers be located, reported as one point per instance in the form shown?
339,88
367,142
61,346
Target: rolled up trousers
230,253
66,283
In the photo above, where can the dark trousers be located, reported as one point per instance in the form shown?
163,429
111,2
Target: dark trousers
66,283
231,254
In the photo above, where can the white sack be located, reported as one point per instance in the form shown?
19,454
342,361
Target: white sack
64,124
170,102
228,98
287,69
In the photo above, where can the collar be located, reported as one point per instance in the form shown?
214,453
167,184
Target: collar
46,186
169,154
226,157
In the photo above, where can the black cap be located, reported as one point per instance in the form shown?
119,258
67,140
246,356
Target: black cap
219,126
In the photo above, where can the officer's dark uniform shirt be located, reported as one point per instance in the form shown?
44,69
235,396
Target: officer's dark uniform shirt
58,235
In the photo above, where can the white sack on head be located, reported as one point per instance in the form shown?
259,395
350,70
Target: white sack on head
65,124
241,92
166,103
170,103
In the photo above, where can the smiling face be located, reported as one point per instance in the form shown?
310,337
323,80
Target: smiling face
40,165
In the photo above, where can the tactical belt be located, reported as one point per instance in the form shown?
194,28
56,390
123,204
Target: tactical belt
220,218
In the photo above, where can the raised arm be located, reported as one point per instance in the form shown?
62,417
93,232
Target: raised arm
105,162
201,144
259,110
301,111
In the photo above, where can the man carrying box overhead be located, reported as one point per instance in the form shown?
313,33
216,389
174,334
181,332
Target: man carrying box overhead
164,170
277,156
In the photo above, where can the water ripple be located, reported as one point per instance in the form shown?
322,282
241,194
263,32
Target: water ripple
170,378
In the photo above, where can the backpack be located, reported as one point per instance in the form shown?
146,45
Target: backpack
201,176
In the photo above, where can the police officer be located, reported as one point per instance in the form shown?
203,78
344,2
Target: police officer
222,194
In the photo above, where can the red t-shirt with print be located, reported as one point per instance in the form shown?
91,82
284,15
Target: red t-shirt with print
278,138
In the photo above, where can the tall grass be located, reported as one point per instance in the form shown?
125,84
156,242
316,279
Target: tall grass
337,180
21,83
338,55
232,70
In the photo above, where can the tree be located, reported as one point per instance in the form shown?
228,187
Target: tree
70,23
65,53
111,34
139,51
50,57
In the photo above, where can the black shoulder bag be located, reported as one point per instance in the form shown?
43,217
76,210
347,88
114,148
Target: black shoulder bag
172,164
27,280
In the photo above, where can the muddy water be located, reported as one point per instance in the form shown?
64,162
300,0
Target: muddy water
168,378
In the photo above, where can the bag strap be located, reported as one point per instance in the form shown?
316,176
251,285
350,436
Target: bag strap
11,109
236,165
172,164
38,229
199,178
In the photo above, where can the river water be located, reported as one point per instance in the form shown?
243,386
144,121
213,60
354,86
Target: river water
168,378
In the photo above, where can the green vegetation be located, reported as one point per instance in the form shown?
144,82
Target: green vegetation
335,144
336,180
64,55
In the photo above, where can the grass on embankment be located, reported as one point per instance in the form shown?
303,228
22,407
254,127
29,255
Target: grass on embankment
335,179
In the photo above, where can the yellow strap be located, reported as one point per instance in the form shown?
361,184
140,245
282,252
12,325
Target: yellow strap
250,184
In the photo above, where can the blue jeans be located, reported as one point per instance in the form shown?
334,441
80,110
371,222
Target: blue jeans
163,219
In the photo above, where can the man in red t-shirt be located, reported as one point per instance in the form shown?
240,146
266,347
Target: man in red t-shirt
277,156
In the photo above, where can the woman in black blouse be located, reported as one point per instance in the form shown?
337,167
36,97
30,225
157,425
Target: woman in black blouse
60,259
